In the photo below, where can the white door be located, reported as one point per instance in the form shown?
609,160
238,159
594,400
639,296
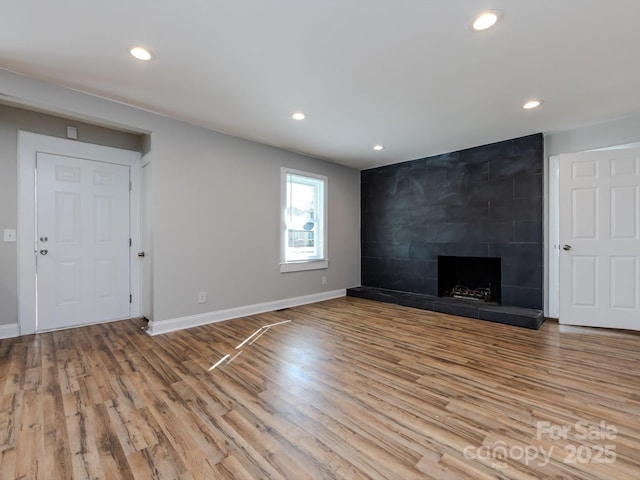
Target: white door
82,241
600,239
146,288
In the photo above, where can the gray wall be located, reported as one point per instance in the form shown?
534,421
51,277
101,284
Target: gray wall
217,224
215,208
621,131
11,120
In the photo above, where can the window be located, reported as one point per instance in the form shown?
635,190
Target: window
304,229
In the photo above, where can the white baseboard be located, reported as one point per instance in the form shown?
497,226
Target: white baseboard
166,326
9,331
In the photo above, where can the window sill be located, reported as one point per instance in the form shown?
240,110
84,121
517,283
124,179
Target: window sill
302,266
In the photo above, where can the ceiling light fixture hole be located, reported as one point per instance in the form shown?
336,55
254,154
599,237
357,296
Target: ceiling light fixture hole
486,20
141,53
532,104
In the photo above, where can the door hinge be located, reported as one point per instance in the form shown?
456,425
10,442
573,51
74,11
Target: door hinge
130,299
130,242
130,185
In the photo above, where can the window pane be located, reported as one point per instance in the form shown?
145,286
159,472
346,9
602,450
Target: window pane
303,218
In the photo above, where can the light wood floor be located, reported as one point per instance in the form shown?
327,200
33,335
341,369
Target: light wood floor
348,389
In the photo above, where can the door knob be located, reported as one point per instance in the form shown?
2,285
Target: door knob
567,247
44,251
141,254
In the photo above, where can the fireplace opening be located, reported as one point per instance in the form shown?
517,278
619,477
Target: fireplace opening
469,278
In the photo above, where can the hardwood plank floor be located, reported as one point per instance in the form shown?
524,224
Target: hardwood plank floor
347,389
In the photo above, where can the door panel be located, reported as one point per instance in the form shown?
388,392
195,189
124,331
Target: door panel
585,281
68,285
623,212
83,241
585,213
624,285
600,235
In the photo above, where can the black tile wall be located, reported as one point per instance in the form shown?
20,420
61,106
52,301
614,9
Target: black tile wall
481,202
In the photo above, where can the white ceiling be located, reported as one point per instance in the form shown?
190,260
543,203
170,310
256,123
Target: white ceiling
409,74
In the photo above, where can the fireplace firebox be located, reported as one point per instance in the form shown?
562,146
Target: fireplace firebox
470,278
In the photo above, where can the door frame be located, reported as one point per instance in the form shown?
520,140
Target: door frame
146,244
28,145
553,245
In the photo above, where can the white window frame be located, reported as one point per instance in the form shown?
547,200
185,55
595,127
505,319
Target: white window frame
311,264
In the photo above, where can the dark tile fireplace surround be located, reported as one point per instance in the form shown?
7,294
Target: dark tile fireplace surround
481,206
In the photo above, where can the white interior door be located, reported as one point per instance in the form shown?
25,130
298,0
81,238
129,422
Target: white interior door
600,239
82,241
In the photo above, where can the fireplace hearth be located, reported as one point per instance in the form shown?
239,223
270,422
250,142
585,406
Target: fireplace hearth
516,316
470,278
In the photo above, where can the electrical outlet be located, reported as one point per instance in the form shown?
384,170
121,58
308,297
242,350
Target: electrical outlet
324,280
202,297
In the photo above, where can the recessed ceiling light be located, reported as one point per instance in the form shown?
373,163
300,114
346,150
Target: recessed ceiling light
378,147
532,104
298,116
486,20
141,53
